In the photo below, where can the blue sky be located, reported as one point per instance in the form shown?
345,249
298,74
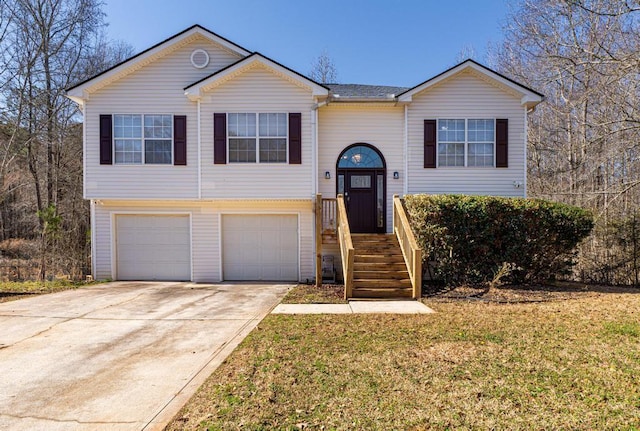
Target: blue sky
393,42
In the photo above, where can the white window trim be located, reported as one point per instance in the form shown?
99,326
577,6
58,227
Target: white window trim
143,161
466,143
257,138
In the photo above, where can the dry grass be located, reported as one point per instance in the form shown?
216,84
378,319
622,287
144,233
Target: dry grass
12,290
571,364
310,294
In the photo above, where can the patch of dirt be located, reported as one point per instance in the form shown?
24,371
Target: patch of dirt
310,294
518,294
12,296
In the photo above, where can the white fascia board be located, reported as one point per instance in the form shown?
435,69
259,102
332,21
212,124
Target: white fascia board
529,98
80,91
78,100
196,91
529,101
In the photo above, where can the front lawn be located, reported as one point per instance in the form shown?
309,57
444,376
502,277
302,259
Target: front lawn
562,364
12,290
310,294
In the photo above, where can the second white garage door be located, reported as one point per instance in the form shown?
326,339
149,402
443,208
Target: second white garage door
260,247
153,247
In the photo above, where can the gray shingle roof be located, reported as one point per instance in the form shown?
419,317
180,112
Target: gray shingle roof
359,91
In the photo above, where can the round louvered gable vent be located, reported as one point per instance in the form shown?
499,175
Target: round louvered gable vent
199,58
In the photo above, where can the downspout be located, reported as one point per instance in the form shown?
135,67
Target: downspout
405,155
199,154
314,150
92,204
84,151
526,138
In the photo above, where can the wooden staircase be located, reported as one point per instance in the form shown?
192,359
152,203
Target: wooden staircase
379,269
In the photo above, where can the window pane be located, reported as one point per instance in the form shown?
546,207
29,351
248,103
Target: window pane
451,154
480,154
157,151
251,124
380,200
451,130
232,124
360,181
242,150
273,125
481,130
157,126
127,126
128,151
241,124
273,150
360,156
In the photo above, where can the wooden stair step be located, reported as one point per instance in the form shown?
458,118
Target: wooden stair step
376,258
372,236
375,244
377,250
382,293
382,283
382,266
380,274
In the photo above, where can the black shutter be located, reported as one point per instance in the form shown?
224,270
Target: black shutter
106,140
295,138
179,139
430,143
502,143
220,139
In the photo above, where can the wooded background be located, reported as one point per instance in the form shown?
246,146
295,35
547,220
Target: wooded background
584,139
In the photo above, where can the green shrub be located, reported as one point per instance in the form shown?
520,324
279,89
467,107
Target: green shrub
473,239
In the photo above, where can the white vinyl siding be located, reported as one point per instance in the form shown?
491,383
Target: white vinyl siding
260,247
466,96
344,125
156,87
257,90
206,235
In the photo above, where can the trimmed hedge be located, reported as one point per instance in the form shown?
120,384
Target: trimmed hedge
480,239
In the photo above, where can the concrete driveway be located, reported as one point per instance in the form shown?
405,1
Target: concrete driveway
119,356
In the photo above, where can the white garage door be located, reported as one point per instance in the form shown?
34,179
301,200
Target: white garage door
153,247
260,247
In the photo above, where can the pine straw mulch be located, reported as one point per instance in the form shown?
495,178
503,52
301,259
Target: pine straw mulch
508,294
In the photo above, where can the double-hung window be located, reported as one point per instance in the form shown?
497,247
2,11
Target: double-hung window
143,139
257,137
466,142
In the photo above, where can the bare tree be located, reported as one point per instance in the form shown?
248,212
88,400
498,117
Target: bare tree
466,52
45,47
323,69
584,55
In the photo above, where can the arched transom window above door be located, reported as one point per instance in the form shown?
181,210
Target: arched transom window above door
360,156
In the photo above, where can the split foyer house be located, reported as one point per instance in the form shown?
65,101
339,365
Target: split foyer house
203,161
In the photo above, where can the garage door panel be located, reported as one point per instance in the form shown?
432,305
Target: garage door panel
153,247
260,247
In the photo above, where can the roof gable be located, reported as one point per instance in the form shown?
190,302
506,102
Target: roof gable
528,97
80,91
196,90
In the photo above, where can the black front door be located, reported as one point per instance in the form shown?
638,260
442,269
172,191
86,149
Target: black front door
363,191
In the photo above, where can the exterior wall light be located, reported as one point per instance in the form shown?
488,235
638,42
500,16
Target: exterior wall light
396,175
327,175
